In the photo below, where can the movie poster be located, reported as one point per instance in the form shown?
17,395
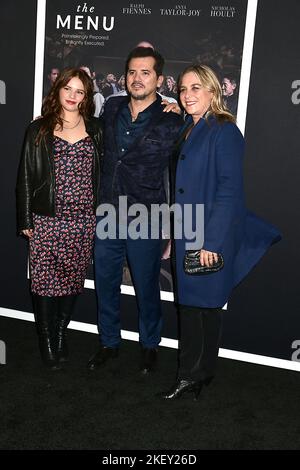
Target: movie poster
97,36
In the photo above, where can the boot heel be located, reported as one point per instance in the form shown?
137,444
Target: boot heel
199,385
197,390
208,380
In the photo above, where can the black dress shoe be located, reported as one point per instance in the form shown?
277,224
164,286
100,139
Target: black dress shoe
101,357
186,386
183,386
148,362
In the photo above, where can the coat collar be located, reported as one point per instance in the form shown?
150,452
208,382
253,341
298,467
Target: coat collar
156,107
202,124
90,127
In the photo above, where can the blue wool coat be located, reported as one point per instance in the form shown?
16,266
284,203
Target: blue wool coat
209,171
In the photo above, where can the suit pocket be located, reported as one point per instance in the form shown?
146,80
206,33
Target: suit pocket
153,141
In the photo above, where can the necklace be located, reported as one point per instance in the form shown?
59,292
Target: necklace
73,127
133,116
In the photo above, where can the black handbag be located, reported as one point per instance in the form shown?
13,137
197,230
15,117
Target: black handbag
191,263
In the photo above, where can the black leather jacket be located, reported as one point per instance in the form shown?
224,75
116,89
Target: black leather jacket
35,189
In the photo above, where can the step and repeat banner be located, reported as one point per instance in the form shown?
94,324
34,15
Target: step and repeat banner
262,316
97,37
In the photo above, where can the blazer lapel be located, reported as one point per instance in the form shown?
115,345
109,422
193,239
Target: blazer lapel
193,134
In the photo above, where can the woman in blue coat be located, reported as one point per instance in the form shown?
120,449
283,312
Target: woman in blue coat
208,171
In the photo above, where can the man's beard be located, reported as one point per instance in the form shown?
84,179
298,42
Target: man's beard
137,96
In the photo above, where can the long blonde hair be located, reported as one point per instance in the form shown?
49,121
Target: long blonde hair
209,80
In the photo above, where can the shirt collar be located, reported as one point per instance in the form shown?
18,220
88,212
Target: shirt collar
152,108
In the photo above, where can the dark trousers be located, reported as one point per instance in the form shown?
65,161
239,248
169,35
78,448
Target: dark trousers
200,333
143,258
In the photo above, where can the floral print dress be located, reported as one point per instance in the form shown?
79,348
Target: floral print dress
61,246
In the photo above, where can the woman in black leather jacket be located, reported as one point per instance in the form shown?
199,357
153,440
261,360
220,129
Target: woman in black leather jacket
57,189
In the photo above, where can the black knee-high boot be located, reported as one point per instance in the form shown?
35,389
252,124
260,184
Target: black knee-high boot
65,310
45,310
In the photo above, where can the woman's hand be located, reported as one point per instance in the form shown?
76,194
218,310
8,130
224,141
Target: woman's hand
208,258
170,107
28,232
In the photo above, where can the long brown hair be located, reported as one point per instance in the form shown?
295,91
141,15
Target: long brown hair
209,80
51,108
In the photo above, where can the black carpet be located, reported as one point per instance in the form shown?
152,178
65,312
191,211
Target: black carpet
246,407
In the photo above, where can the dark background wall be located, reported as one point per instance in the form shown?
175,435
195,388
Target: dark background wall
17,46
263,313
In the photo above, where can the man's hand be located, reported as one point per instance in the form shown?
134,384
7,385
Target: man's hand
174,107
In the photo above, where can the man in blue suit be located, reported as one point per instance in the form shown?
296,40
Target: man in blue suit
138,141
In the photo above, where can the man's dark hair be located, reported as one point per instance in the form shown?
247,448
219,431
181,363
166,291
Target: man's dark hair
49,70
230,76
147,52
